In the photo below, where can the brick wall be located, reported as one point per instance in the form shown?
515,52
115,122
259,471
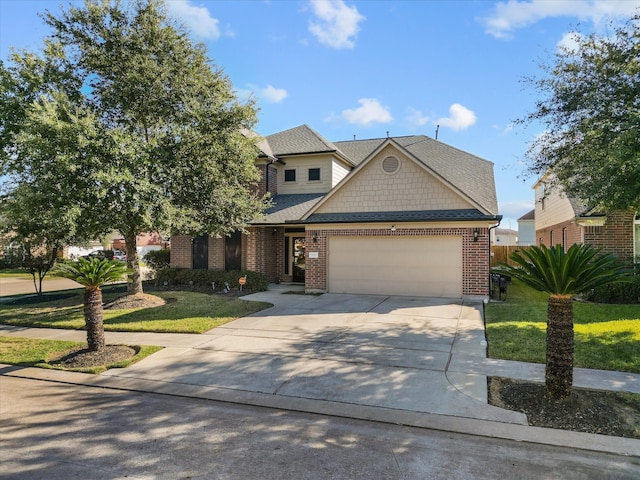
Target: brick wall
181,253
267,183
216,253
615,236
262,251
565,233
475,255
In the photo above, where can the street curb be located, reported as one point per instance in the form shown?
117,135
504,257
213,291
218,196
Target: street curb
468,426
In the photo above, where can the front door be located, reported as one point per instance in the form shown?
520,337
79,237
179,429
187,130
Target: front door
298,259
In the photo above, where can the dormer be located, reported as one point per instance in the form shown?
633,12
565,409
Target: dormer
306,161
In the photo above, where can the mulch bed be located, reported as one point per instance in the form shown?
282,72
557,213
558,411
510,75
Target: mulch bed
591,411
84,358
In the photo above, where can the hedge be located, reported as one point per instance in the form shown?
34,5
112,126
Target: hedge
626,292
256,282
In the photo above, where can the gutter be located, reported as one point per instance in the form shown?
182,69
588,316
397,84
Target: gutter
499,217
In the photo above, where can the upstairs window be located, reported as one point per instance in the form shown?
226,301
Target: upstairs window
290,175
314,174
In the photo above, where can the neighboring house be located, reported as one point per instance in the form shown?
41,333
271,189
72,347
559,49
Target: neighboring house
527,229
567,221
145,242
504,236
405,216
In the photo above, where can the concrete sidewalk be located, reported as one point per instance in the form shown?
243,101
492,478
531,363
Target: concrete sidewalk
404,360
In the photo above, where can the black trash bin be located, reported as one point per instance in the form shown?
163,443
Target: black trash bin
499,284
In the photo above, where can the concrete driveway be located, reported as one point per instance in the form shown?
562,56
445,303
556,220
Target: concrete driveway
373,351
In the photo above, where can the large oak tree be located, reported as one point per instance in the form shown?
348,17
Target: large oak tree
130,124
590,106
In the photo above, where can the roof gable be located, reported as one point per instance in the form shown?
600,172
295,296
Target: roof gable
414,187
470,175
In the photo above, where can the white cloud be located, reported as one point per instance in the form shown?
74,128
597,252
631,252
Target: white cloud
504,130
569,42
511,15
269,93
336,23
459,118
272,94
369,111
197,19
416,118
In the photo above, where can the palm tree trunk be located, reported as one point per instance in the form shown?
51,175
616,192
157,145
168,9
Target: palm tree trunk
133,263
559,367
93,318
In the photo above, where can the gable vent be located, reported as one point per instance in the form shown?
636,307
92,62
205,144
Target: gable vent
390,165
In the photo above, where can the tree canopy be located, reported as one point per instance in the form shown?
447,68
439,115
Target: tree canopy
590,107
131,124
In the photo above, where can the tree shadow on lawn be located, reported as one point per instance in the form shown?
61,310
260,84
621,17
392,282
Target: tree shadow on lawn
68,312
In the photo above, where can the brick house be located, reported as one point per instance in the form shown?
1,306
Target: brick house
401,215
567,221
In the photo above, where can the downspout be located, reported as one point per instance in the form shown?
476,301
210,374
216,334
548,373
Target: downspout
489,257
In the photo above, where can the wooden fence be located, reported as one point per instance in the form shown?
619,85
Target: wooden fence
500,253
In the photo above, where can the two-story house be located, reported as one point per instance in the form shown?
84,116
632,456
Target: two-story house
561,220
397,215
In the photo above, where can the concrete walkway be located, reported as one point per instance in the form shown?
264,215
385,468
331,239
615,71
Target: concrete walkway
405,360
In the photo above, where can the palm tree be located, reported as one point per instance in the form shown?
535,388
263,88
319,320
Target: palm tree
92,274
562,274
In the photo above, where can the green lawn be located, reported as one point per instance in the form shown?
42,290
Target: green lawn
606,336
14,272
28,352
184,312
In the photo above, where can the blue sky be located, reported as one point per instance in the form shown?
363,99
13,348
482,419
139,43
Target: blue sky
366,68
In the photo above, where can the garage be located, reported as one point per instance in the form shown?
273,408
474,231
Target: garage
419,266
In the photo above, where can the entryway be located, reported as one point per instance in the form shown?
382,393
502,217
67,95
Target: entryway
294,249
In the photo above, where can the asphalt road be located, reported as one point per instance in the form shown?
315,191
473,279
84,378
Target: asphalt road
59,431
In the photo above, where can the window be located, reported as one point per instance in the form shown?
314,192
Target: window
290,175
314,174
552,239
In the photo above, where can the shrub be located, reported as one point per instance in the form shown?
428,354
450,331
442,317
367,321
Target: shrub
256,282
157,259
627,292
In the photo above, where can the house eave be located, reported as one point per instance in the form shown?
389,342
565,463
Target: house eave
424,216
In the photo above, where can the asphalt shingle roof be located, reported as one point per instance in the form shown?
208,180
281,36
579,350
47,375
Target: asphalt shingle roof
299,140
469,174
400,216
289,208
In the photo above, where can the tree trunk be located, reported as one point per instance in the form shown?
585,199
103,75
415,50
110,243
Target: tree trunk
93,318
559,367
133,263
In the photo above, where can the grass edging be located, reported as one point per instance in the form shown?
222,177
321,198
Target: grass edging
41,353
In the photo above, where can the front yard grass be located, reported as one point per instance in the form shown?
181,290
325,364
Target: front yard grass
184,312
29,352
607,336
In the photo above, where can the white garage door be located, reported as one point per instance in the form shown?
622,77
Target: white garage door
421,266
